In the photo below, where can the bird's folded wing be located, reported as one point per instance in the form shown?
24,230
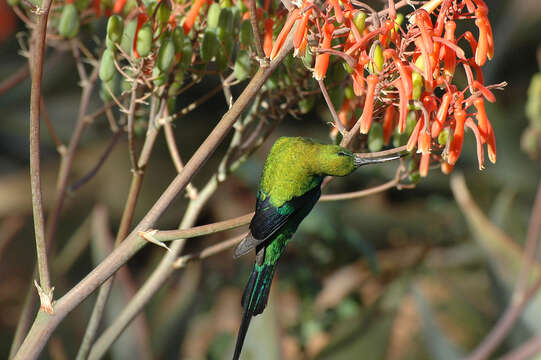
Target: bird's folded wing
268,219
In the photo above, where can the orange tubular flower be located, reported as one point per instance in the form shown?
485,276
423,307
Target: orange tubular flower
300,32
471,39
486,92
424,142
267,38
482,119
141,19
449,56
423,22
479,141
482,45
403,105
414,137
322,59
491,144
428,69
424,165
192,16
293,16
337,11
446,168
366,117
441,115
404,71
458,136
388,123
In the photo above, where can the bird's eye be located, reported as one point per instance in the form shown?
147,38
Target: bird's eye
341,153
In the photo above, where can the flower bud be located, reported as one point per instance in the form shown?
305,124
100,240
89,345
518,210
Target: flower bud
225,23
209,45
68,26
163,12
144,40
166,54
213,16
107,66
115,28
242,66
246,36
359,20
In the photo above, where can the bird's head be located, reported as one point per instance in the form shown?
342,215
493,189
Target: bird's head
337,161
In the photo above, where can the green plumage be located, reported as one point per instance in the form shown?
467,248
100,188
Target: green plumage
290,187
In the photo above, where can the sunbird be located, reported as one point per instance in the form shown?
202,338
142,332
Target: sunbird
290,187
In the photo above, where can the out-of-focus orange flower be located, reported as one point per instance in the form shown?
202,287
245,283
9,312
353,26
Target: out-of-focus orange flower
322,59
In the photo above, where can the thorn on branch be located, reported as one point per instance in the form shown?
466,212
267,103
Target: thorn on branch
45,299
149,236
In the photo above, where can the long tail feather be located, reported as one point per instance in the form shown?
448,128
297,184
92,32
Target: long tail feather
254,300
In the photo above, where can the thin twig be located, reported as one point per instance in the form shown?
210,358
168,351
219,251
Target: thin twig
209,251
16,78
86,178
526,351
45,290
263,61
191,190
60,147
330,105
130,126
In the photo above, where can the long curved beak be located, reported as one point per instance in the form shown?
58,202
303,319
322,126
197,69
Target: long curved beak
360,161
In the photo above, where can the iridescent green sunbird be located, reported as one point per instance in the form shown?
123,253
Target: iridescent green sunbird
290,187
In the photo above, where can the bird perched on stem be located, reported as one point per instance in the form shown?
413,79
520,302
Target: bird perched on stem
290,187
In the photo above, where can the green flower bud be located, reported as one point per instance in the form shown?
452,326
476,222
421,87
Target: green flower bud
377,57
375,137
236,20
359,20
68,26
159,77
166,55
347,67
225,24
242,65
349,93
443,137
209,45
411,121
144,40
246,36
115,28
308,58
213,16
163,13
417,79
186,53
178,38
126,43
107,66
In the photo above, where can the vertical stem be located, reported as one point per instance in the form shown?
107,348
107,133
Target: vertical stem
255,29
36,65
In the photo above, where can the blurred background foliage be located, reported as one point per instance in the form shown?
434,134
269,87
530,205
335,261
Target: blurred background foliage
405,274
